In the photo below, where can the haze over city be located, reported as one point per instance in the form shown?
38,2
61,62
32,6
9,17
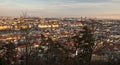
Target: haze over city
61,8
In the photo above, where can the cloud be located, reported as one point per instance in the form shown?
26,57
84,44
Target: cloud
59,7
88,1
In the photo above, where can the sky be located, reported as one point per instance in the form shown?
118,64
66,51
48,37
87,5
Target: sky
61,8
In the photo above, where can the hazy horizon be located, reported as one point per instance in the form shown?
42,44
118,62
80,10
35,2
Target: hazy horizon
61,8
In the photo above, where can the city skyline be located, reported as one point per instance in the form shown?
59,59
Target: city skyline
61,8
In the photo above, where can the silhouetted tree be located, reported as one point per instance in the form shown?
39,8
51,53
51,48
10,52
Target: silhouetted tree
84,45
